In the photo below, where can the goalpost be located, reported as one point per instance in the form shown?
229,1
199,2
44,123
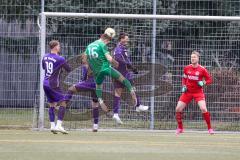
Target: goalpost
146,32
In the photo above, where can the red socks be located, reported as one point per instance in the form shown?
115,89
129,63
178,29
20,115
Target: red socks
205,115
179,120
207,118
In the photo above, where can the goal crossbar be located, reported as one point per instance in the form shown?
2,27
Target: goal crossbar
142,16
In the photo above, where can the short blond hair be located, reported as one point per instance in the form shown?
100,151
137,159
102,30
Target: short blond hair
53,43
105,37
196,53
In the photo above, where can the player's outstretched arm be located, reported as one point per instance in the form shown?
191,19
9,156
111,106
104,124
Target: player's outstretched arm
66,66
111,60
84,59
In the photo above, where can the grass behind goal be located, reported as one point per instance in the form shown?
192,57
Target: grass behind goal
28,118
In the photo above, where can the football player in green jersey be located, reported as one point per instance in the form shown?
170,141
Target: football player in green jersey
100,61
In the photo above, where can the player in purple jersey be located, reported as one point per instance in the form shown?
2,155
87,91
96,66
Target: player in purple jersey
87,84
53,63
125,67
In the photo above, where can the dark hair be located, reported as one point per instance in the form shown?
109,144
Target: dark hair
53,43
122,35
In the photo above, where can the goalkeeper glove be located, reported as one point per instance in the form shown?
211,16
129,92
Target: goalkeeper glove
184,89
201,83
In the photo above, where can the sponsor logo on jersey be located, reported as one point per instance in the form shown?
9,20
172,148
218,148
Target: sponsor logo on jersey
193,77
197,73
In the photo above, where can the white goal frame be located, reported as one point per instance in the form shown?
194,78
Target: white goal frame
153,17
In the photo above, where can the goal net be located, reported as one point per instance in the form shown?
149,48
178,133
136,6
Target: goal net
159,47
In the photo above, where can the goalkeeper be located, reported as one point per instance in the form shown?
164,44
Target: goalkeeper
99,59
194,78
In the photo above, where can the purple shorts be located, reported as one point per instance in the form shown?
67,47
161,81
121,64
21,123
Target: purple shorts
88,85
53,94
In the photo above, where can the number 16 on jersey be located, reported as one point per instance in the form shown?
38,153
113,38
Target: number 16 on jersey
92,52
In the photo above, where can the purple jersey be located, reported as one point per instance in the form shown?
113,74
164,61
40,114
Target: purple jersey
52,64
121,55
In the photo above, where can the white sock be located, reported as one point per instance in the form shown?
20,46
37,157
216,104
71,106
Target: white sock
115,114
52,124
95,125
59,123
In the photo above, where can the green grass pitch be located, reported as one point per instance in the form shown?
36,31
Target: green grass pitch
122,145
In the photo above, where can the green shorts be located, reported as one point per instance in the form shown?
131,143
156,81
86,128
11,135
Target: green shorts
99,78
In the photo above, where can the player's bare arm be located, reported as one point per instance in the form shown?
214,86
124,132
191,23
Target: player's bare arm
112,60
84,59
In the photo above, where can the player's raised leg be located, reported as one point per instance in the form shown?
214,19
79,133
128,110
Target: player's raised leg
206,115
179,111
118,76
100,100
87,85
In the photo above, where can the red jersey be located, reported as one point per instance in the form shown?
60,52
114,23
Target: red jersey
192,75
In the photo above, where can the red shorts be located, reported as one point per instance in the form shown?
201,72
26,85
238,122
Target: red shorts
187,97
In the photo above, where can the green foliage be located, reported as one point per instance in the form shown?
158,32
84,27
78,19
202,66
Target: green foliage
20,11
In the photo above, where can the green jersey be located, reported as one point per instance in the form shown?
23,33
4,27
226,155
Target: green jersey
96,52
